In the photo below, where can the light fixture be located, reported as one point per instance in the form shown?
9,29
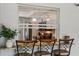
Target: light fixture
34,20
47,19
42,33
48,32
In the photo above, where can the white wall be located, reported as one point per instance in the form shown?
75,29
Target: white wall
69,20
8,15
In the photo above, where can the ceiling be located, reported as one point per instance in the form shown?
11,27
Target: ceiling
36,11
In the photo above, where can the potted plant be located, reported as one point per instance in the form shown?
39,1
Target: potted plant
8,34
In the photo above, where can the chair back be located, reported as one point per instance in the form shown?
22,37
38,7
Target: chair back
48,43
65,44
25,46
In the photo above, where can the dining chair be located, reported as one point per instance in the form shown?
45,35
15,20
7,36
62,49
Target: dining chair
63,48
24,48
46,47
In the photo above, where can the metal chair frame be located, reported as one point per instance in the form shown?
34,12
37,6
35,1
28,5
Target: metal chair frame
65,40
46,41
25,46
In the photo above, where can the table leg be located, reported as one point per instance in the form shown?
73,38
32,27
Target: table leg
40,48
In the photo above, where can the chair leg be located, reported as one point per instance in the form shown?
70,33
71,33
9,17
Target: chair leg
51,54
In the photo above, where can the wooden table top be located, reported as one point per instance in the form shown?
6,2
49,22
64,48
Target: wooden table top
44,42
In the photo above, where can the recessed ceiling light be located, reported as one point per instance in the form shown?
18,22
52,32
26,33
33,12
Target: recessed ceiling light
47,19
34,20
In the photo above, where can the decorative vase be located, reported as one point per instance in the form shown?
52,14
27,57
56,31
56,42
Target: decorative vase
9,43
66,37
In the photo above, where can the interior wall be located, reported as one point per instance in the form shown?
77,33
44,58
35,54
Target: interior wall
8,15
69,20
